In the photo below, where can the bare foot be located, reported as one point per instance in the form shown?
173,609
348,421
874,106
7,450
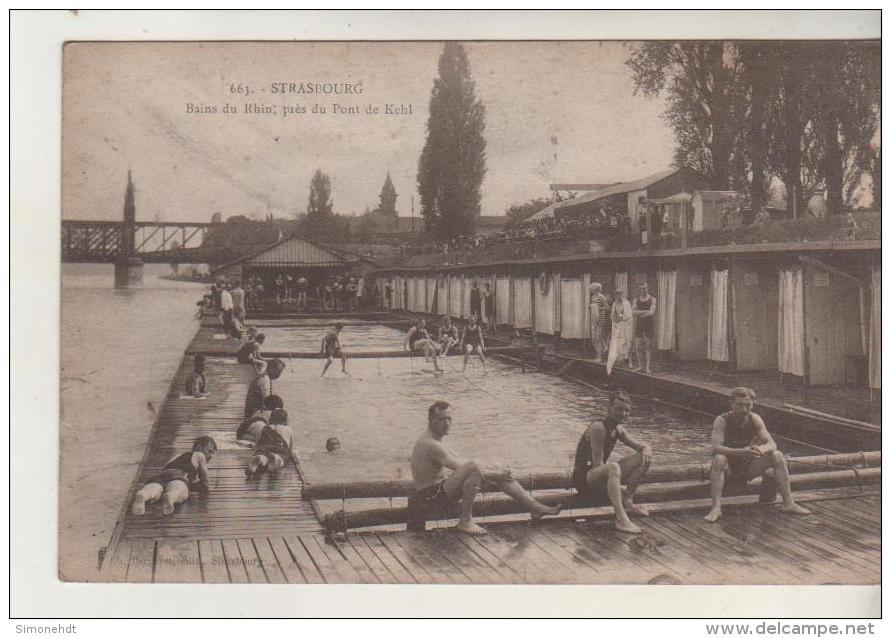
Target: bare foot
628,527
713,515
166,505
648,371
792,508
138,505
471,528
547,511
634,508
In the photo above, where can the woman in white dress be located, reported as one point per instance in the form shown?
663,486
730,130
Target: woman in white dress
620,343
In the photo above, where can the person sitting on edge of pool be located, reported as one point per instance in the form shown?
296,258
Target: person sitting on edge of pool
261,386
448,335
250,428
743,450
418,340
171,485
275,446
332,444
593,471
249,352
472,341
331,349
430,460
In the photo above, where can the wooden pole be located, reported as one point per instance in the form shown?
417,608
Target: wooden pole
652,493
561,480
369,354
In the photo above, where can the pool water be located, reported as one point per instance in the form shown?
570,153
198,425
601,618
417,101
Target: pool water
355,338
529,421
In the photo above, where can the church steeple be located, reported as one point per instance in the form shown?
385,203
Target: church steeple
128,237
388,198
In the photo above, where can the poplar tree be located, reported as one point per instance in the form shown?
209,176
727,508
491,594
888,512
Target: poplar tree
453,162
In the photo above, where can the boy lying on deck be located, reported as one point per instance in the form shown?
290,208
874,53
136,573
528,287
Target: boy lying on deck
251,427
429,460
171,485
274,446
593,471
744,450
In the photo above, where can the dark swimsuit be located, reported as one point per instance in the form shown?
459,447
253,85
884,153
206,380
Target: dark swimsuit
271,442
247,350
179,468
254,399
331,345
738,435
644,325
473,337
417,335
583,458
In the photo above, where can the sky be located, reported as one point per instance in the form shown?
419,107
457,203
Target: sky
125,107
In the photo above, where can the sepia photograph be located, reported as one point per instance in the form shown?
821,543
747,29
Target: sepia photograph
471,312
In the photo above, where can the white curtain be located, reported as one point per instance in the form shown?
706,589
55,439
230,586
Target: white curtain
523,302
718,346
410,305
431,293
502,300
875,332
544,306
455,296
397,291
622,284
420,292
666,303
572,309
790,339
468,285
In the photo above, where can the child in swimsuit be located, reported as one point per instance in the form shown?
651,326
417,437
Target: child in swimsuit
331,349
274,447
172,484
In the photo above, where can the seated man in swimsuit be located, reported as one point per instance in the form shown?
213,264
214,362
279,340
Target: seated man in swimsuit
448,336
418,340
250,428
593,471
331,349
745,450
171,485
430,459
196,383
249,352
472,340
261,386
275,446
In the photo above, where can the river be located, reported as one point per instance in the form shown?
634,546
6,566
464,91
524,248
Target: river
120,350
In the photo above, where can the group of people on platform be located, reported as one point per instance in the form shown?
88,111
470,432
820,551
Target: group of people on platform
622,330
470,341
742,447
482,301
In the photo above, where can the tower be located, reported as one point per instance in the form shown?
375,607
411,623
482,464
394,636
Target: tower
388,198
127,266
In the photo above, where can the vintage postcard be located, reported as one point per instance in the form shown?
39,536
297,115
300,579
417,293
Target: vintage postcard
471,312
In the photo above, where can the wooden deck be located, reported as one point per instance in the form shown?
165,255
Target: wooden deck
838,544
262,532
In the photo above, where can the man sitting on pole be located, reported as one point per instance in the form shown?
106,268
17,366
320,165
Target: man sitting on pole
430,460
745,450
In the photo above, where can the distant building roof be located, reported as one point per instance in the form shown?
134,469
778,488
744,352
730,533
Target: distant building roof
293,251
674,199
619,189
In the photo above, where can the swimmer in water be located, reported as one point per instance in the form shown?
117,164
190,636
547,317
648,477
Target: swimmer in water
250,428
332,444
275,447
181,473
331,349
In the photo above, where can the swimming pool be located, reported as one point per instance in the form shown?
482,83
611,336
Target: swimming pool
353,338
529,421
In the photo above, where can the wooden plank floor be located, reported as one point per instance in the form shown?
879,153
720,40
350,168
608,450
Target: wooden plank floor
838,544
234,508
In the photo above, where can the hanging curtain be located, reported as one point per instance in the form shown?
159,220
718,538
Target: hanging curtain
522,302
666,305
718,346
622,284
572,309
790,341
431,294
455,296
544,305
875,332
502,300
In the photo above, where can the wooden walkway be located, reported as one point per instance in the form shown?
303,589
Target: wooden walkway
838,544
262,532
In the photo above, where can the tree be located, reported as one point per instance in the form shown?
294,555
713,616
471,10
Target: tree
705,101
319,222
453,162
518,213
365,228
